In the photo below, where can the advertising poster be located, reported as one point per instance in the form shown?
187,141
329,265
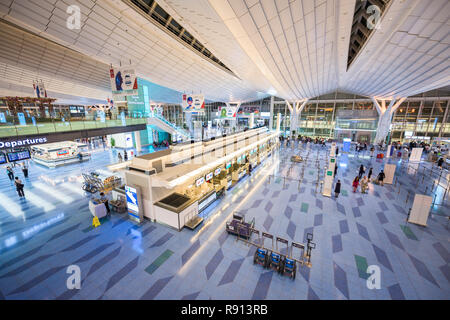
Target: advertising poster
2,117
124,81
193,102
246,111
132,199
227,112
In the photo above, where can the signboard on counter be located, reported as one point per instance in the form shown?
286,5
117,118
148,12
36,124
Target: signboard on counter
193,102
61,153
200,181
209,176
133,195
217,172
124,81
228,165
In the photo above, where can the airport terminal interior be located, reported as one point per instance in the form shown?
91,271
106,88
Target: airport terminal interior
224,150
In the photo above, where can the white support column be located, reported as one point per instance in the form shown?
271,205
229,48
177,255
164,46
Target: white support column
385,117
295,110
251,121
272,99
278,121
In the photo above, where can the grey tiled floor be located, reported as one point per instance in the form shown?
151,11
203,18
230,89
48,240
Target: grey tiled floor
38,242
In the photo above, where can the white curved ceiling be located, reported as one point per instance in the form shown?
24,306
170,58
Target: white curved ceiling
292,48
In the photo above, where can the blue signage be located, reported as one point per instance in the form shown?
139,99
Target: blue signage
21,117
2,117
132,199
33,119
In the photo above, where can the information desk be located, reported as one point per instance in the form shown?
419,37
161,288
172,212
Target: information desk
53,163
97,208
61,153
176,210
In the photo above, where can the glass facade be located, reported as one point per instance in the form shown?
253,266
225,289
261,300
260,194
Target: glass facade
420,117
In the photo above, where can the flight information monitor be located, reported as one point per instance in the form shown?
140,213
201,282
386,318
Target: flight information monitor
18,155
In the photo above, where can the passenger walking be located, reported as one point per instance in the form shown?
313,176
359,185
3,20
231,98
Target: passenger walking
361,171
372,150
381,177
364,184
355,184
125,155
19,187
10,173
120,157
25,170
337,151
369,174
337,188
440,162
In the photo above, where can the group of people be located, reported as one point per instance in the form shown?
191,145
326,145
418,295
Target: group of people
360,180
125,156
17,181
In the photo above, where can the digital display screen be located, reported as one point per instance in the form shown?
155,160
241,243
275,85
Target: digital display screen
228,165
18,156
200,181
2,158
209,176
217,171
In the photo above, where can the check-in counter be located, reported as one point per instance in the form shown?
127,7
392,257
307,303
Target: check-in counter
176,210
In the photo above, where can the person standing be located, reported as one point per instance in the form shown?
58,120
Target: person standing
25,170
381,177
104,199
10,173
355,184
369,174
372,150
119,156
337,151
335,169
125,155
337,188
19,187
364,184
361,171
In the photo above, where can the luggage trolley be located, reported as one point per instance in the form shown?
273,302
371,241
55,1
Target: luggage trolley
261,256
288,264
275,257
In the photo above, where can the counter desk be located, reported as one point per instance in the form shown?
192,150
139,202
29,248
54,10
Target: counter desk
53,163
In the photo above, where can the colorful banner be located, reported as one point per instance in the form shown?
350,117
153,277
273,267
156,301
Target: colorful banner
39,89
124,82
227,112
246,111
193,102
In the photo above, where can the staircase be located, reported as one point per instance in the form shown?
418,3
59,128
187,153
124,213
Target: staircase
161,123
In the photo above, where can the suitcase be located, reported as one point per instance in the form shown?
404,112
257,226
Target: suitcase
380,156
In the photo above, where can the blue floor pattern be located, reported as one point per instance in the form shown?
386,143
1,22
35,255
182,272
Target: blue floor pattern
50,230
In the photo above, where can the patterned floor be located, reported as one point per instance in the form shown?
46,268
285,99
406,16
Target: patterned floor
50,230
